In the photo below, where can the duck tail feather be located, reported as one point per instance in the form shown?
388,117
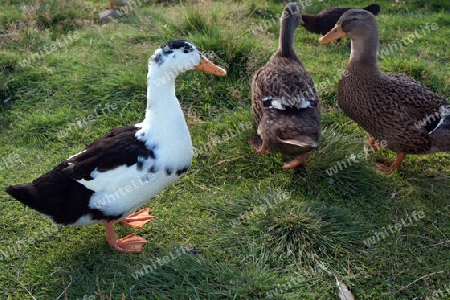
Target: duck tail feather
27,194
373,8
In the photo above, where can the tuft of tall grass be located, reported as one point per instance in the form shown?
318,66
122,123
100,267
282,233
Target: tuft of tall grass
207,33
310,233
332,170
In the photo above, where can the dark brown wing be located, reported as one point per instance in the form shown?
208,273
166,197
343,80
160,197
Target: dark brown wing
412,95
282,84
118,147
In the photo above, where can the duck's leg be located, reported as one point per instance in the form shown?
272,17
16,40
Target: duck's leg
299,160
132,243
389,170
398,160
372,142
259,146
137,219
370,146
127,9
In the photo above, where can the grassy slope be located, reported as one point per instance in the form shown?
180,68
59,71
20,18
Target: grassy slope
248,227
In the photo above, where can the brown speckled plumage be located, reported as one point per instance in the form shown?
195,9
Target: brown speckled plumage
292,124
391,107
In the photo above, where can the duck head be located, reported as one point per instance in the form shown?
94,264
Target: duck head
178,56
355,23
361,27
291,14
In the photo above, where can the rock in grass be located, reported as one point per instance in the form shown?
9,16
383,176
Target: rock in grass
108,15
8,37
344,293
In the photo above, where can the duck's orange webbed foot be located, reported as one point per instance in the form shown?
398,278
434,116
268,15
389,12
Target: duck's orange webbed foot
384,170
132,243
259,146
127,8
137,219
372,143
389,170
298,161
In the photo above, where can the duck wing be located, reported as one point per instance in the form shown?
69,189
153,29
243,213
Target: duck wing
412,93
282,86
119,147
419,105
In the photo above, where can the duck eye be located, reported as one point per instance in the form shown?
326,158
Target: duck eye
186,50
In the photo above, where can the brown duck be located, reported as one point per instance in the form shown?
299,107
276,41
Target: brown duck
325,20
284,99
391,107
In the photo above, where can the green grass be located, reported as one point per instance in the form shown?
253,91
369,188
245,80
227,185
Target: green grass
236,226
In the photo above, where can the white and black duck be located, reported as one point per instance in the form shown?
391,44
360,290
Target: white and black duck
118,173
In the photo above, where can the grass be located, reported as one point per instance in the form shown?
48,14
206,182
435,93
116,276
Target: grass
236,226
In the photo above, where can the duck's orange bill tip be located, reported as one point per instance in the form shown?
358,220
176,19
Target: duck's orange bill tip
207,66
334,34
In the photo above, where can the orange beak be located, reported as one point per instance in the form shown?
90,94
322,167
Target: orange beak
334,34
207,66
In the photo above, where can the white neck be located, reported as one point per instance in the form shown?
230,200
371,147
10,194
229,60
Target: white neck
160,85
164,122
